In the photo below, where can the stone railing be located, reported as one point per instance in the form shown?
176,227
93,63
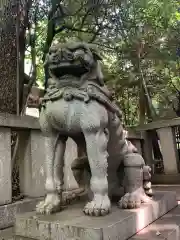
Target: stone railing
169,141
31,155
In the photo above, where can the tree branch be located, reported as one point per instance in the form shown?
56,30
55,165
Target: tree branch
72,29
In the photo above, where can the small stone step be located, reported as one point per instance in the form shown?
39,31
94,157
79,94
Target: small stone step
8,234
21,238
71,223
167,228
8,212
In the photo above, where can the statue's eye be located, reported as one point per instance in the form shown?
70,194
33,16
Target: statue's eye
69,54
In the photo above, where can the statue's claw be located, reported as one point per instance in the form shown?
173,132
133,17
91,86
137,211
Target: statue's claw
68,198
134,199
50,205
99,206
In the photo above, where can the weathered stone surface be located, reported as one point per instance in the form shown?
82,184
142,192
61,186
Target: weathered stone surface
18,122
159,230
165,228
70,155
32,163
72,224
37,164
24,156
170,187
5,166
8,212
20,238
166,179
169,150
6,234
32,171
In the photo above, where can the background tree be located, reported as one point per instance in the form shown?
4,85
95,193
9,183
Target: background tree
12,47
138,41
137,38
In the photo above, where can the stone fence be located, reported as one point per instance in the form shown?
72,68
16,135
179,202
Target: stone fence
169,141
31,154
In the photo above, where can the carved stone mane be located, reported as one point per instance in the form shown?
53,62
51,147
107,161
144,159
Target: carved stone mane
77,66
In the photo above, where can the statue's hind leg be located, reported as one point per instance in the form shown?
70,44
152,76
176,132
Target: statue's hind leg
135,172
134,176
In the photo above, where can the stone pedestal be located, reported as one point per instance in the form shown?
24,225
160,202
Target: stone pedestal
8,212
71,223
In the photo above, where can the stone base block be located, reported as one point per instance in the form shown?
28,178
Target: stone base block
8,212
71,223
165,228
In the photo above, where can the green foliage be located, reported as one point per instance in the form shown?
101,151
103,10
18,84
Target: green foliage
138,40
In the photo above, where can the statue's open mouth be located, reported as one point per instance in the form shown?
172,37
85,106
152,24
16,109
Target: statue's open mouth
67,68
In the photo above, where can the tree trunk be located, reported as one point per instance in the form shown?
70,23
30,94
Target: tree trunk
8,60
9,55
142,108
12,68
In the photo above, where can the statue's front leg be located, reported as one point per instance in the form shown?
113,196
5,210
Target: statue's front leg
52,201
96,142
133,182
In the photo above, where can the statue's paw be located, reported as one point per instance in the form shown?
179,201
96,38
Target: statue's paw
99,206
40,207
134,199
68,198
50,205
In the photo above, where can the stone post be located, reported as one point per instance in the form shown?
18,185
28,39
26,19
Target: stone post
24,161
147,149
5,166
168,149
32,174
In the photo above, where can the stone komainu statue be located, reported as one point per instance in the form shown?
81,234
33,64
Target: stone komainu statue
77,104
